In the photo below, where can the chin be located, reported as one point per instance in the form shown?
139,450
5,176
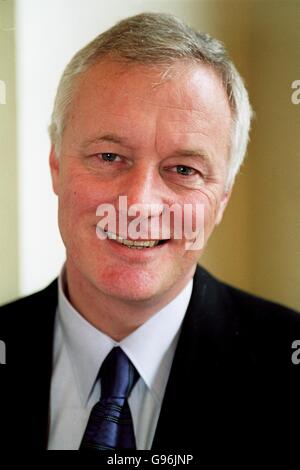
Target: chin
133,293
131,285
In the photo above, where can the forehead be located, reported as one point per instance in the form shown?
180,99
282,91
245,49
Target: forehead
112,97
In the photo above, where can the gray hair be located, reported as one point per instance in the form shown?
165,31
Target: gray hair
159,39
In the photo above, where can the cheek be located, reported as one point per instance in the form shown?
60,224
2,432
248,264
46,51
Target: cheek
211,201
77,214
205,210
81,196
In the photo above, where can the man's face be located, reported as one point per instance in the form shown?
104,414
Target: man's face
157,142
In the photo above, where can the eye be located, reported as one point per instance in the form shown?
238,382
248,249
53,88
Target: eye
185,170
185,176
108,157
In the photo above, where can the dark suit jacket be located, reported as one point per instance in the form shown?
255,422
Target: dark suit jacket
232,383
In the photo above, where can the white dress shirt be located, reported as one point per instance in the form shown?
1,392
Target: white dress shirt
80,349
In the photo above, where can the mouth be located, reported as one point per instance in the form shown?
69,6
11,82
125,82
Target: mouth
135,244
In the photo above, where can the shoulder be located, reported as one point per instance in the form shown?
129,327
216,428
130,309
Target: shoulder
239,298
27,309
240,327
253,313
260,310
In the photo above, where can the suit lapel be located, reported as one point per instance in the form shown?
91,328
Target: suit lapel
204,353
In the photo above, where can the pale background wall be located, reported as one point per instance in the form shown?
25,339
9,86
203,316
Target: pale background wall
9,256
257,245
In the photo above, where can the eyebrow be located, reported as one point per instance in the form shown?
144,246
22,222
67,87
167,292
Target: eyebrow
113,138
200,153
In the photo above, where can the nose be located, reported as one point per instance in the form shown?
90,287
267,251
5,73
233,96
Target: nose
144,190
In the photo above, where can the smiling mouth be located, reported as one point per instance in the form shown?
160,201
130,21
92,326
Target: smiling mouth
134,244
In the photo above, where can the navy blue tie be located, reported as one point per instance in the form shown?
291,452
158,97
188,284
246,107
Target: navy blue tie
110,424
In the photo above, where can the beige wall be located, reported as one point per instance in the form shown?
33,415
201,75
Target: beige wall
8,161
257,246
229,252
276,151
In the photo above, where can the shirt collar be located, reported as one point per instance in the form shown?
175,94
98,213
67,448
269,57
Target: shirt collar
150,347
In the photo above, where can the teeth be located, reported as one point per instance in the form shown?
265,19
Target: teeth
132,243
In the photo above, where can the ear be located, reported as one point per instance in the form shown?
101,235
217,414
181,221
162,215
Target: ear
223,204
54,168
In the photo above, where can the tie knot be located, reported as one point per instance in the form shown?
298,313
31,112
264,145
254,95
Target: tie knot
118,375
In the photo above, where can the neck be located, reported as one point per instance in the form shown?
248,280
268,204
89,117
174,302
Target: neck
115,317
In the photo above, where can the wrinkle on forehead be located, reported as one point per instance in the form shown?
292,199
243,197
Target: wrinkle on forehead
118,101
201,77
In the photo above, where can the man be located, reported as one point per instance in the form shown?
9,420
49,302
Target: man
150,113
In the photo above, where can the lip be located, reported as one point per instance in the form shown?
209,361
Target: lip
144,253
131,239
132,253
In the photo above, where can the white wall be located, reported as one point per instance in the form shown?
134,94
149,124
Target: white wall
48,33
